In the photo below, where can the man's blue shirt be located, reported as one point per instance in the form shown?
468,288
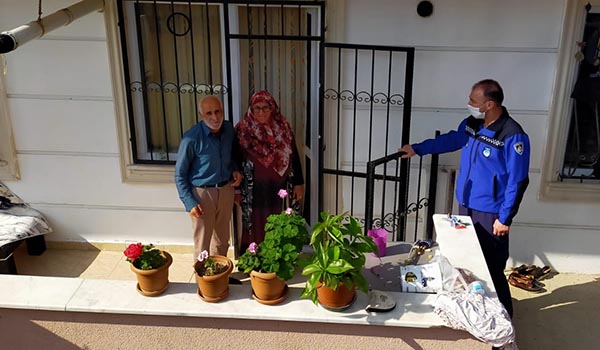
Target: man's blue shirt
204,158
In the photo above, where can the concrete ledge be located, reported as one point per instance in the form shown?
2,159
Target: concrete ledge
181,299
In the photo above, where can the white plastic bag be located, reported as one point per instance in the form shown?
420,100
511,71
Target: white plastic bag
452,279
485,318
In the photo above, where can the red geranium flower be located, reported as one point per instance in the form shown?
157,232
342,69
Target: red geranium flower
144,257
133,251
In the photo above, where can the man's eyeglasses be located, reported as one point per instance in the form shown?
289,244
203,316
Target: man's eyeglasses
261,109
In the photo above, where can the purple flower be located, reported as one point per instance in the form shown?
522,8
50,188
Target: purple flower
203,256
253,248
282,193
288,211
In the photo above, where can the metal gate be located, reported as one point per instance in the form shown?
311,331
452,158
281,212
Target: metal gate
367,101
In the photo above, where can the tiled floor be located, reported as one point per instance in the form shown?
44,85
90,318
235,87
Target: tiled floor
93,264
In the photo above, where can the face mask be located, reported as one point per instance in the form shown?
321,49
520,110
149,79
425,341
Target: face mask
474,111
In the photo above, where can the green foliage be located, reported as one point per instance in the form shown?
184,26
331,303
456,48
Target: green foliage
151,258
285,234
339,254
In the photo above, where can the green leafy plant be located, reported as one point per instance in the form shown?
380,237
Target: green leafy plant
144,256
339,246
285,235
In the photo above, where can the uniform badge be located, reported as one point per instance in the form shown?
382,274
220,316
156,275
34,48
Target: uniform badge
487,151
519,148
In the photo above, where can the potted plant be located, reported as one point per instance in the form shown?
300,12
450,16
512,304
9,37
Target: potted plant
212,276
273,261
335,267
151,266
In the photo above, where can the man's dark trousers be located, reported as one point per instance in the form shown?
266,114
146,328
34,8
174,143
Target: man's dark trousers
495,251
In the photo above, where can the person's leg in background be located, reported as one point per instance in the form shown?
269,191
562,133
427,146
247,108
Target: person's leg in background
495,251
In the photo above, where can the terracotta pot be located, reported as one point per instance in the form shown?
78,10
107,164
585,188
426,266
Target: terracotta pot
267,286
153,282
214,288
340,298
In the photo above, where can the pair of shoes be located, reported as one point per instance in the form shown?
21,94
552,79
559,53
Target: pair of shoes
234,281
525,282
538,273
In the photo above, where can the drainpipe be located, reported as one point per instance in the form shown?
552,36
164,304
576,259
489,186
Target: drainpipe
17,37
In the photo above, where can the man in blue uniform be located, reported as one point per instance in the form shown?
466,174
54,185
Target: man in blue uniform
493,175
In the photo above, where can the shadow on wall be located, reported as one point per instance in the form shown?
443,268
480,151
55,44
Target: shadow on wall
567,318
560,249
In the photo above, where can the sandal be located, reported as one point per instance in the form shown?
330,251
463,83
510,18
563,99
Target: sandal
533,270
540,273
525,282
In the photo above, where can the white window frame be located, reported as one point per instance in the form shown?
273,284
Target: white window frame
558,125
9,166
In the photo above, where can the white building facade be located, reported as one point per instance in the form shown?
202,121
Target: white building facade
63,105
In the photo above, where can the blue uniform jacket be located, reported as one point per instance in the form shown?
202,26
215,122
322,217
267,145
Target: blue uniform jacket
494,164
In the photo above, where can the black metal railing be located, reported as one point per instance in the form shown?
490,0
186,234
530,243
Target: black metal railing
394,212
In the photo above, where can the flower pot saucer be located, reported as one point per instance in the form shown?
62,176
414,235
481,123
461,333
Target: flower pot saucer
153,293
339,308
213,299
272,301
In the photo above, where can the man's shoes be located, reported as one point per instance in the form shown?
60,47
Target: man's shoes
234,281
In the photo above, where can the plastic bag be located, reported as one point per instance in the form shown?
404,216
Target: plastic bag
485,318
452,278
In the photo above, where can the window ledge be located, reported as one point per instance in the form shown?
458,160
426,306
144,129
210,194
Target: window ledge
570,192
149,173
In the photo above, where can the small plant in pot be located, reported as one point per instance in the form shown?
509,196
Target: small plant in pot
335,267
273,261
212,276
151,267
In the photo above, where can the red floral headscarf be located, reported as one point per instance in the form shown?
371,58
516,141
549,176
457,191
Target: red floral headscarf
271,143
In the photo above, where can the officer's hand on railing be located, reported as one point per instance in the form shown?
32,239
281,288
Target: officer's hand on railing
408,151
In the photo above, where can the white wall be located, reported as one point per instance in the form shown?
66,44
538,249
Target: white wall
64,121
63,117
515,42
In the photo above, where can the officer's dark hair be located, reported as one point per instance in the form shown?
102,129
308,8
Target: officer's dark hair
491,90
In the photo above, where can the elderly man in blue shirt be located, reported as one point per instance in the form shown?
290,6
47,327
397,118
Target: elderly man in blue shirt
205,176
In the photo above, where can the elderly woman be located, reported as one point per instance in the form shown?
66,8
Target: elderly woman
270,162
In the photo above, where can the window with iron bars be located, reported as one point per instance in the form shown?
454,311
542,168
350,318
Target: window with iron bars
175,54
582,155
174,58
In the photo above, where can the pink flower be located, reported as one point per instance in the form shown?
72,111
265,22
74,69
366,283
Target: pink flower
288,211
203,256
282,193
253,248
